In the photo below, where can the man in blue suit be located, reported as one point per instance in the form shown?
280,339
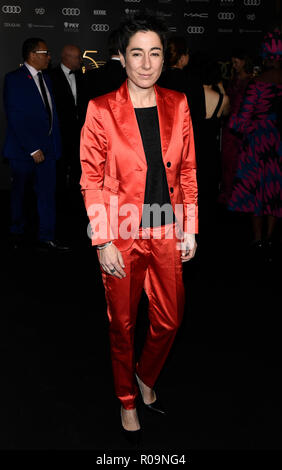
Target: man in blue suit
32,143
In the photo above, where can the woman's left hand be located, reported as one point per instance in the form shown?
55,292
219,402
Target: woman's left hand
188,247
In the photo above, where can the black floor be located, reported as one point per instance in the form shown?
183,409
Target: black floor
222,381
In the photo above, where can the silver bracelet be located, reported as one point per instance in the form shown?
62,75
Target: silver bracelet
101,247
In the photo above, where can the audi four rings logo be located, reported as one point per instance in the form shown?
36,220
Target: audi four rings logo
100,27
195,29
252,3
222,15
71,11
11,9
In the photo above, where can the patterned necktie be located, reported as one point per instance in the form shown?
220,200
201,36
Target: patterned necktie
45,98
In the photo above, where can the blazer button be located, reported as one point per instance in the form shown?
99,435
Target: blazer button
168,164
171,190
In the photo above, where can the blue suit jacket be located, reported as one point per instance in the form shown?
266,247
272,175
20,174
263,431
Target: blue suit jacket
28,122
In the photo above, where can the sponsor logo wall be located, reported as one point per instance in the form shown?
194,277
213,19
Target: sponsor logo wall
212,26
204,22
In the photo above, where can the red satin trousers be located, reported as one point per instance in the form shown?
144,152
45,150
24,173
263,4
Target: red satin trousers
155,265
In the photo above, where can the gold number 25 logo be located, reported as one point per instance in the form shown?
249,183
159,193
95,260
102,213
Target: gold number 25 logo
92,64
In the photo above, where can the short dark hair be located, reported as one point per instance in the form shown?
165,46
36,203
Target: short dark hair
140,22
176,48
29,45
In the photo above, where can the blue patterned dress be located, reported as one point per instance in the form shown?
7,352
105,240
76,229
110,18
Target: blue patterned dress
257,186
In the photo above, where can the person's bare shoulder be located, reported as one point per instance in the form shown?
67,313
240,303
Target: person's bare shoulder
211,98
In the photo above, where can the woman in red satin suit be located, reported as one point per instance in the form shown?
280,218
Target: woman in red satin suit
137,154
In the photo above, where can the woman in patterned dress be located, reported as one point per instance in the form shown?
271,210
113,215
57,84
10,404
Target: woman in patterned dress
257,187
231,141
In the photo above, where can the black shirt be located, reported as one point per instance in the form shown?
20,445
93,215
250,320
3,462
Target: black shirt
156,191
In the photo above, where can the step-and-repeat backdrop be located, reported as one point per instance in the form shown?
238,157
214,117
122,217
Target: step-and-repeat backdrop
210,26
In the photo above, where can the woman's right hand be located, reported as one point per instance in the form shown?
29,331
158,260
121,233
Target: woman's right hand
111,260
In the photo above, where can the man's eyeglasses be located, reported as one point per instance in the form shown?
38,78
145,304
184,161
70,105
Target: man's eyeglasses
42,52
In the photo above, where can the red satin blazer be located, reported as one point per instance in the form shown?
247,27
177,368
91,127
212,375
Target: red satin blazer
114,165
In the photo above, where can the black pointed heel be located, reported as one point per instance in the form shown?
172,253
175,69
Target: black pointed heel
156,407
132,437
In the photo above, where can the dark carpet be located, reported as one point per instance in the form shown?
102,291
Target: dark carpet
221,383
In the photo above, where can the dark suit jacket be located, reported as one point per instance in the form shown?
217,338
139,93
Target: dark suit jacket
28,121
71,116
105,79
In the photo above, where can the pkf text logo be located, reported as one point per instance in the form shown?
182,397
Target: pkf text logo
71,26
11,9
195,30
71,11
100,28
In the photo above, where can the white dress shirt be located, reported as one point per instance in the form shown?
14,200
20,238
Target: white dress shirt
34,74
71,79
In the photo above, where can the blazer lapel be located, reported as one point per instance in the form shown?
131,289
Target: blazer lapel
31,82
166,110
124,114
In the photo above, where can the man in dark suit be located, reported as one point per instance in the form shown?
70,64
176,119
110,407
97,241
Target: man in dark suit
110,76
32,143
68,88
